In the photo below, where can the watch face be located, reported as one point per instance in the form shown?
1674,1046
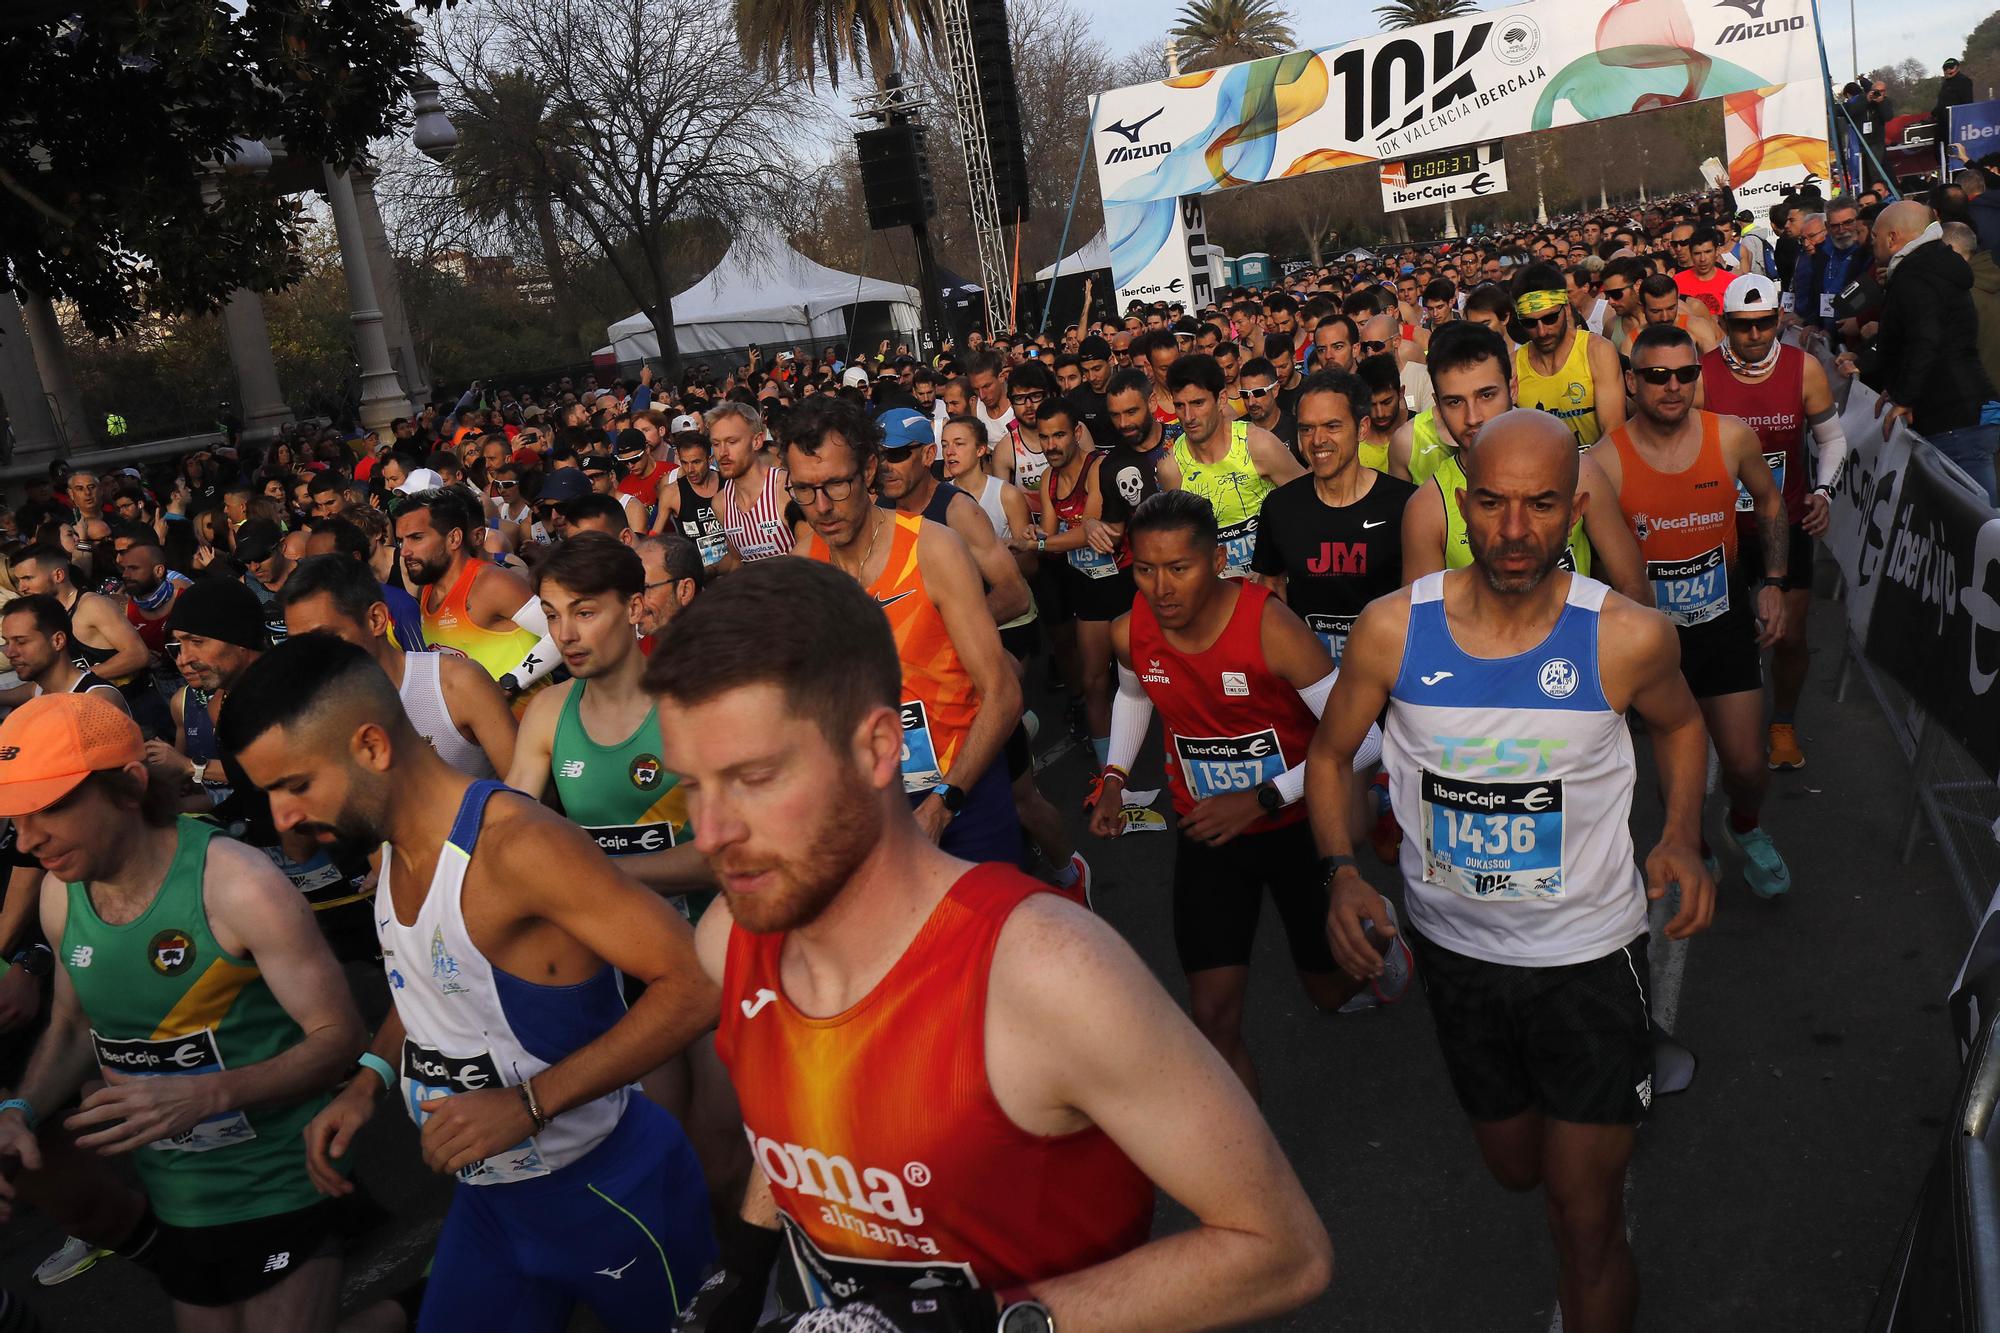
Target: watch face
1026,1317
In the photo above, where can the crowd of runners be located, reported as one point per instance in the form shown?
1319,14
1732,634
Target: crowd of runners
657,761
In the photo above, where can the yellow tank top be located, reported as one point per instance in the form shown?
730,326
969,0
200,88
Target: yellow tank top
1234,488
1427,446
1568,393
1374,456
1450,479
450,628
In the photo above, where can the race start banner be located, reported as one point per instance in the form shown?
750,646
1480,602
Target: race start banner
1441,178
1450,85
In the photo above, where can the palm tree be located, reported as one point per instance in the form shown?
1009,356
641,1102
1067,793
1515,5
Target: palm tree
507,160
1415,13
805,38
1223,32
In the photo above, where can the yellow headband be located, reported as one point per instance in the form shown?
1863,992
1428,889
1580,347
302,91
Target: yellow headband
1531,304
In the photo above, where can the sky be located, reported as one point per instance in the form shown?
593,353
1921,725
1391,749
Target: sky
1890,30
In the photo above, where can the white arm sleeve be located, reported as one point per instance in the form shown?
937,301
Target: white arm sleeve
1829,449
1291,783
543,657
1131,714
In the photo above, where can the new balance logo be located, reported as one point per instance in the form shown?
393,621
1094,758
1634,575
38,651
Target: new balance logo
571,768
278,1262
615,1273
80,956
753,1007
1435,677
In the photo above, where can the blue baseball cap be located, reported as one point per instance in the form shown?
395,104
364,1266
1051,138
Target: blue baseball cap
905,428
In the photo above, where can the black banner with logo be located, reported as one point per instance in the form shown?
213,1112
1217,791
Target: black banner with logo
1935,627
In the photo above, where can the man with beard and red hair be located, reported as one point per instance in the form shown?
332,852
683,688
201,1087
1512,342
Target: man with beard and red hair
961,1089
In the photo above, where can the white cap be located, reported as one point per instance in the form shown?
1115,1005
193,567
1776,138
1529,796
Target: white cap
685,421
854,377
1751,294
420,479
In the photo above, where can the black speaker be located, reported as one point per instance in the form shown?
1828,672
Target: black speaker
994,54
895,176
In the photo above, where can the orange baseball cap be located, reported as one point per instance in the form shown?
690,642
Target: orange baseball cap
54,741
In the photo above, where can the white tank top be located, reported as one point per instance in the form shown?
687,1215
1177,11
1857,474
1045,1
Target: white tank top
988,496
469,1025
423,700
1513,779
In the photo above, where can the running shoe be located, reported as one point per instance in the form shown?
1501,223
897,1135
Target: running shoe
1387,835
75,1257
1082,881
1763,869
1783,742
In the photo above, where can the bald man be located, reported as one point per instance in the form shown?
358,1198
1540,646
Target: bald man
1521,895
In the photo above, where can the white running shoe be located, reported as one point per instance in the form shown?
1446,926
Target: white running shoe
75,1257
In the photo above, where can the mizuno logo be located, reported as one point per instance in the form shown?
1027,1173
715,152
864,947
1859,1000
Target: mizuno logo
753,1007
1754,8
615,1273
1435,677
1131,132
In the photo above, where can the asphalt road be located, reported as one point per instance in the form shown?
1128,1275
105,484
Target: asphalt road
1768,1196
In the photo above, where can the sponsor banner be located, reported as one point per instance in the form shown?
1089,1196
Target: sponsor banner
1440,86
1863,506
1159,252
1440,178
1935,624
1974,132
1774,139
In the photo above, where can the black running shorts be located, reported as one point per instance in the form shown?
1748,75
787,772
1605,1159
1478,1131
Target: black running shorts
1721,656
1218,892
1098,599
231,1262
1572,1042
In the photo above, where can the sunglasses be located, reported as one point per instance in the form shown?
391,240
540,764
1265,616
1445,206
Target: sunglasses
1372,348
1761,324
898,453
1542,321
1658,376
1258,393
1613,293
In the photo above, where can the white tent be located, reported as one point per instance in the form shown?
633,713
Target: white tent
1094,255
764,291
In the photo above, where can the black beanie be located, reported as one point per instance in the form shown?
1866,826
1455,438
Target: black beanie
221,609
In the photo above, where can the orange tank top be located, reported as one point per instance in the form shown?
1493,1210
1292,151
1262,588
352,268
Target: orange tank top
1685,523
887,1154
939,698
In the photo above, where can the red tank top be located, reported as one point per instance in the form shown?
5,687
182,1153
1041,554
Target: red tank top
1774,407
1231,722
152,633
878,1130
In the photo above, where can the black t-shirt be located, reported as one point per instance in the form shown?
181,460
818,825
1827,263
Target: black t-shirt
1125,477
1096,417
1334,561
1288,399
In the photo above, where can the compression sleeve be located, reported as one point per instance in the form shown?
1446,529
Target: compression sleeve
1131,714
1829,448
1291,783
543,657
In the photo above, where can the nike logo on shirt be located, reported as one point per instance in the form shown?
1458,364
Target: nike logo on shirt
1431,679
891,601
1365,525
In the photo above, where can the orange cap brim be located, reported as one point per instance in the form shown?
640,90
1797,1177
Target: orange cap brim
26,798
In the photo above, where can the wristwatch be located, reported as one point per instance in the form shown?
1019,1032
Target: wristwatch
1329,866
1027,1317
200,772
1269,797
1772,581
509,686
952,797
36,960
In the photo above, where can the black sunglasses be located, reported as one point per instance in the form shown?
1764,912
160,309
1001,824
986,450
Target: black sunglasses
1373,348
1658,376
1759,324
1538,321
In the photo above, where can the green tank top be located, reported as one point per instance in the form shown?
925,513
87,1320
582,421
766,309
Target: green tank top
621,794
163,999
1450,479
1234,488
1427,446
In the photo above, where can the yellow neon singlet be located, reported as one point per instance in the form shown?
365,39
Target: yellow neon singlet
1568,393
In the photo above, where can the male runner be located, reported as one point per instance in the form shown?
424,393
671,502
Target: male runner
35,634
470,605
1676,470
1563,369
980,1122
1388,411
1468,365
751,502
905,482
1777,390
509,1043
961,698
674,574
1233,469
1239,681
1703,280
104,641
1331,541
183,954
688,503
1659,301
150,589
451,702
1510,764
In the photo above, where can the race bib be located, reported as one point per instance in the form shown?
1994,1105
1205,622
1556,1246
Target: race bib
1492,841
1332,631
1239,543
1093,563
835,1280
632,839
429,1074
1691,592
1776,462
920,761
1218,765
196,1053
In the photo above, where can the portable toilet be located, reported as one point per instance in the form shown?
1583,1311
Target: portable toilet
1253,270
